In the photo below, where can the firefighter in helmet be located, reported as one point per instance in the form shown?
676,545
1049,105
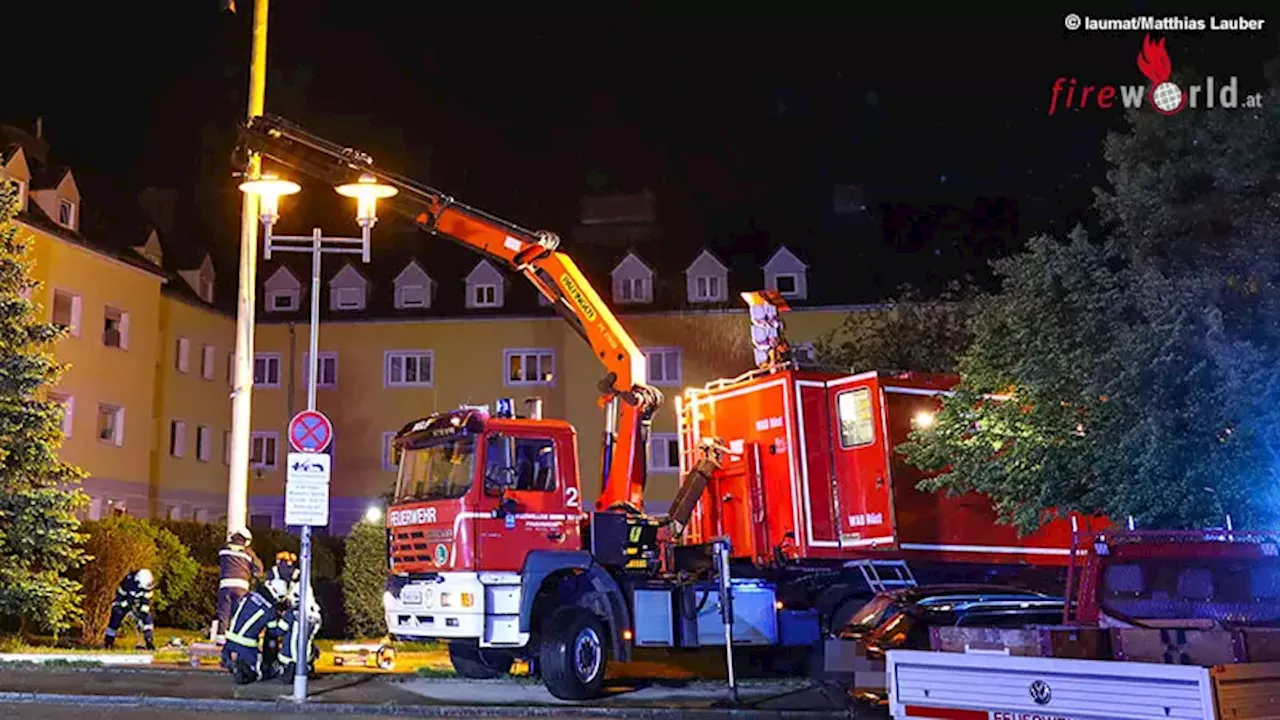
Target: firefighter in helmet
289,646
133,598
255,614
285,568
238,568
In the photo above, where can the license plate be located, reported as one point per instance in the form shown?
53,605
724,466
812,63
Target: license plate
411,596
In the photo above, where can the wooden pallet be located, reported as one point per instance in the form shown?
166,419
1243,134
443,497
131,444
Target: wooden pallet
382,656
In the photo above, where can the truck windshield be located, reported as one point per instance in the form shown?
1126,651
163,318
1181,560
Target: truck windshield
439,472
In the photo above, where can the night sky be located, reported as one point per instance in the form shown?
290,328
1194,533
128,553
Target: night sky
742,122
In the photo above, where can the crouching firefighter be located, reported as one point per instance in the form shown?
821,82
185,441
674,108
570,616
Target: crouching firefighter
133,597
290,621
256,613
238,569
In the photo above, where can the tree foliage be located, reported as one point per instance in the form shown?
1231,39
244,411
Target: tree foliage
364,578
1141,371
39,493
925,334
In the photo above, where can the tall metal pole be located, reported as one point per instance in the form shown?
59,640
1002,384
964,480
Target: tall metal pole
246,302
302,654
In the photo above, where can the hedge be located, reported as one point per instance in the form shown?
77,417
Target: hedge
121,545
364,578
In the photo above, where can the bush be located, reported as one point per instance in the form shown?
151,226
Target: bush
364,578
118,546
198,606
202,540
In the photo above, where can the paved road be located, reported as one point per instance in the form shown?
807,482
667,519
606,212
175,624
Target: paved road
72,712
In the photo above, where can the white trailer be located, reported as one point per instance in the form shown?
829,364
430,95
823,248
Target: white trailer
996,686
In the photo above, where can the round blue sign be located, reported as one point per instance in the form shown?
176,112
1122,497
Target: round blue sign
310,432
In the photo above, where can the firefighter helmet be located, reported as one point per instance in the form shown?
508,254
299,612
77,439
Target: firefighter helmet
146,580
245,537
278,589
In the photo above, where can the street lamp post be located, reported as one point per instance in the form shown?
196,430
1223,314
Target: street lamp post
268,190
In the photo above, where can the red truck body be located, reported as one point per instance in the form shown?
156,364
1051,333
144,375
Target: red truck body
811,473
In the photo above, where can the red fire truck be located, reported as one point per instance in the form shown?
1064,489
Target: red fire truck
793,508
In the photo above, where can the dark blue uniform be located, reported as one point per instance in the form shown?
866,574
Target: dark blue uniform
238,567
255,613
132,598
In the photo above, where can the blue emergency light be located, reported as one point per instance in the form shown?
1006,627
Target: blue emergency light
506,408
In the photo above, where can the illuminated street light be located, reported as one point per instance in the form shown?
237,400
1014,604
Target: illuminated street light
373,515
367,191
269,190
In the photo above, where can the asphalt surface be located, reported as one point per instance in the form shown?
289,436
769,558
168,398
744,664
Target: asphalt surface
76,712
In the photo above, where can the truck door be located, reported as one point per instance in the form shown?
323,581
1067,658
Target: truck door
861,487
533,473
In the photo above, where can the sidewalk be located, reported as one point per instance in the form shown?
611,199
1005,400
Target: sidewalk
400,695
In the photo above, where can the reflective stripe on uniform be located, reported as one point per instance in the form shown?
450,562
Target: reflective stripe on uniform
233,583
234,553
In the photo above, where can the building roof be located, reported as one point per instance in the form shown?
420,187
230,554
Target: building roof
448,264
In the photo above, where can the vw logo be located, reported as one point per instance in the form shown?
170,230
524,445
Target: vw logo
1040,692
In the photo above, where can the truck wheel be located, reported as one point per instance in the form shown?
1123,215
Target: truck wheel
572,656
477,663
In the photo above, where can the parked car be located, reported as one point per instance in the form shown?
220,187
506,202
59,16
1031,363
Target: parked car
888,603
900,619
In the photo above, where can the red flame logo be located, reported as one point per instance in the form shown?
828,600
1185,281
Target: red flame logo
1154,62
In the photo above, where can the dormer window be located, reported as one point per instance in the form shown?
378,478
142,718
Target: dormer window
706,288
282,300
484,296
707,279
632,281
206,288
787,274
348,290
349,298
484,286
411,296
66,213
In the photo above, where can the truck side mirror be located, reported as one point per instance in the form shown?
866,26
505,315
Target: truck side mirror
507,507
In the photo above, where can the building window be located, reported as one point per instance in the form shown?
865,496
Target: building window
262,450
207,355
411,296
68,404
111,424
177,438
173,512
664,365
67,214
664,453
853,412
115,328
633,289
226,448
706,287
266,370
204,438
787,284
529,367
406,368
282,300
390,461
66,311
484,296
260,522
183,355
348,298
327,377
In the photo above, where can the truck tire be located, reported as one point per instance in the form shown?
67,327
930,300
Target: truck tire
573,654
476,663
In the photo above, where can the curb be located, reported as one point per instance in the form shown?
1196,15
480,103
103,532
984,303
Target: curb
288,707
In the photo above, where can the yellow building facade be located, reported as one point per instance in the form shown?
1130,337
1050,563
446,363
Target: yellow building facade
148,352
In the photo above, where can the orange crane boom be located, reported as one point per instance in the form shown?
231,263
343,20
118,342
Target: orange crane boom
629,402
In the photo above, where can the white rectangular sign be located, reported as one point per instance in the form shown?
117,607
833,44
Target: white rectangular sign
306,490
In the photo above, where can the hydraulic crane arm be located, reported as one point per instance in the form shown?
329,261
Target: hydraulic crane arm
629,402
